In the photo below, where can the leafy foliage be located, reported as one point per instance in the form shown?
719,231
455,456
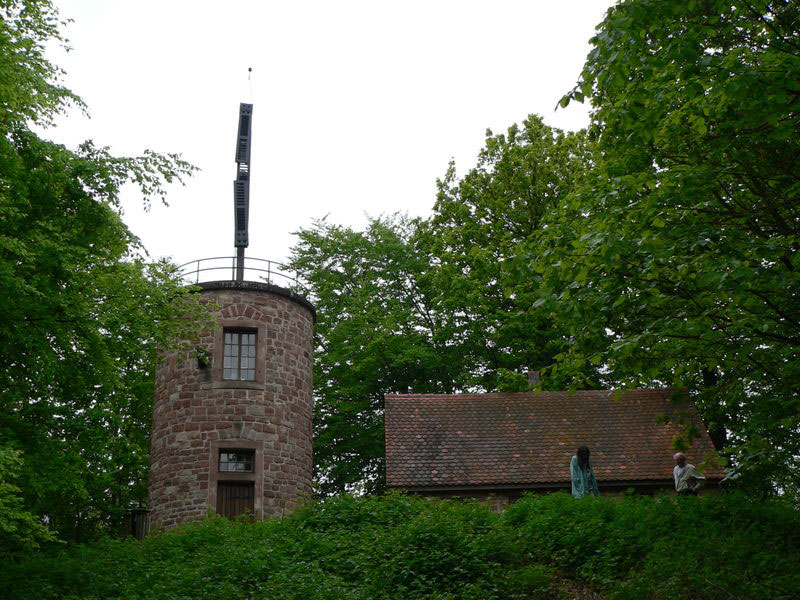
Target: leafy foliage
83,313
723,546
415,306
683,264
29,88
412,548
19,528
481,222
379,331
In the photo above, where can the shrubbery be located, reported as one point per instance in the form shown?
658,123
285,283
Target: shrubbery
633,547
402,547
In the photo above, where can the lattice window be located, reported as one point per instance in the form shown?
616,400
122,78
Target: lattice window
239,355
236,461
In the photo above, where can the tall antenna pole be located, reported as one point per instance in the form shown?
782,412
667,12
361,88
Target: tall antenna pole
241,187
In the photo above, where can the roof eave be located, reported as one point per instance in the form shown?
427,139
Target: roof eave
547,485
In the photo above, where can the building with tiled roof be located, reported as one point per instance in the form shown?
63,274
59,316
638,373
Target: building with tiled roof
502,444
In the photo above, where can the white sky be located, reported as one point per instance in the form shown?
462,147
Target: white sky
358,105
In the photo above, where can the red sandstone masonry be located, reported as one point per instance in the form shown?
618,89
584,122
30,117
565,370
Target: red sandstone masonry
196,412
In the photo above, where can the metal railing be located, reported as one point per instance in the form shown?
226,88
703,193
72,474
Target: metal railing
223,268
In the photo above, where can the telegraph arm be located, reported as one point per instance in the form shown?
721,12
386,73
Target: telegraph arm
241,187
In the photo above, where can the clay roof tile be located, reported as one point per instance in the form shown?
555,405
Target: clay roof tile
526,438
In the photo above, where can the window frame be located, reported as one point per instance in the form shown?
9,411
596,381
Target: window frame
238,325
240,344
250,458
232,487
256,476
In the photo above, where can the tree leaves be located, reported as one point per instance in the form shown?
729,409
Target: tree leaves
696,280
379,330
437,305
82,313
483,227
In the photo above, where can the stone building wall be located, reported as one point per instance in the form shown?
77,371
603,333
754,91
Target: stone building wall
197,413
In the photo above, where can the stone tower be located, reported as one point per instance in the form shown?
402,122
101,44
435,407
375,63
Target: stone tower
232,416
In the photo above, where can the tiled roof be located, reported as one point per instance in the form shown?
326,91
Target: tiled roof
525,438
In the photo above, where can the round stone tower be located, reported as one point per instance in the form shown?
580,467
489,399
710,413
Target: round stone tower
232,416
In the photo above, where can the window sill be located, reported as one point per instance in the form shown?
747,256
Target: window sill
238,385
235,477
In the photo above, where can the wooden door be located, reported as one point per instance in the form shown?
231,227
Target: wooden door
235,498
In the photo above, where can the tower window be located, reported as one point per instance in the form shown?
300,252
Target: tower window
239,355
236,461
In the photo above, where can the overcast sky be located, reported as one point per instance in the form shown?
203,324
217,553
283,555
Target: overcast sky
358,106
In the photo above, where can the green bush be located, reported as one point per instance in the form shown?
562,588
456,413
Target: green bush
404,547
724,546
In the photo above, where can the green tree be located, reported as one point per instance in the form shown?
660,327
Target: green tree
481,223
19,528
82,312
378,331
687,249
415,306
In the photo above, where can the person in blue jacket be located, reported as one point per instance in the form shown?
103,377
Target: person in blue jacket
583,481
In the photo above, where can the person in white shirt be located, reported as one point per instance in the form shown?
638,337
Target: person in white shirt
687,480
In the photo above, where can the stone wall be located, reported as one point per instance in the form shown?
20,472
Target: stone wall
197,413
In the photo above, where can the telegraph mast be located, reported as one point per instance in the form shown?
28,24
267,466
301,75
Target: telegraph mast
241,187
